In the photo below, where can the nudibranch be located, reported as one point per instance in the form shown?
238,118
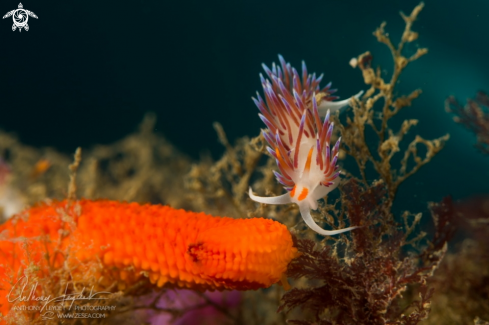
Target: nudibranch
133,241
298,139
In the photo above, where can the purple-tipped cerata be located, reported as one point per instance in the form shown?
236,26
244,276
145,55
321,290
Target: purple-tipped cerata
298,139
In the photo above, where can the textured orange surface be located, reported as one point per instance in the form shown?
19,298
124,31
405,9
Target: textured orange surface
169,246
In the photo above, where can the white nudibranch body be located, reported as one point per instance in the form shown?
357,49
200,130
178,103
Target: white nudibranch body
298,140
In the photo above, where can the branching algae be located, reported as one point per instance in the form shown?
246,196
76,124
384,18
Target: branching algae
474,116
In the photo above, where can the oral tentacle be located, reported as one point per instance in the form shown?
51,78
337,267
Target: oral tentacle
282,199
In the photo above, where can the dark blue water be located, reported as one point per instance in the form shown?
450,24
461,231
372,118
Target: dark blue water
87,71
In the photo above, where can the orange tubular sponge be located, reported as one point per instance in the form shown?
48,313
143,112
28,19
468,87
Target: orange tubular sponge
130,241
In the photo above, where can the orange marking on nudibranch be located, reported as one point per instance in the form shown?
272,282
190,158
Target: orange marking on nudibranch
279,157
292,193
277,152
308,161
176,247
303,194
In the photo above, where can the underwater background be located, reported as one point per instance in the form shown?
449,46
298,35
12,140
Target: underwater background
86,72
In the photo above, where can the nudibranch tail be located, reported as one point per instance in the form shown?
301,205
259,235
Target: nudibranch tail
298,139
